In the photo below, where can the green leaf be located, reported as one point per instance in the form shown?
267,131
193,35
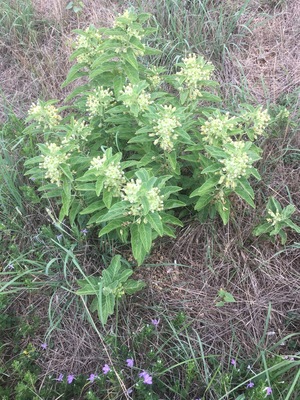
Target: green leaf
212,168
216,152
223,210
291,224
171,203
206,187
74,211
156,223
263,228
244,195
99,185
203,202
117,210
145,233
119,83
107,198
124,275
170,219
66,171
95,206
132,286
130,57
131,72
283,237
114,268
139,253
172,158
74,74
112,225
106,307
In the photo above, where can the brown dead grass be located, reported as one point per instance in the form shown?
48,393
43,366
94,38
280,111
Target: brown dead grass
270,57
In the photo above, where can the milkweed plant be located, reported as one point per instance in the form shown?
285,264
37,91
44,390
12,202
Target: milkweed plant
134,149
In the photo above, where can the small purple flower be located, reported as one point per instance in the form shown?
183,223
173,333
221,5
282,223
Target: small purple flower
32,178
60,378
147,379
84,231
92,377
59,237
269,391
44,346
129,362
70,378
155,322
10,267
106,369
233,362
250,385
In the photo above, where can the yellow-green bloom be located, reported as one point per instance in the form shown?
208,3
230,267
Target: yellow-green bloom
46,115
235,166
88,43
98,101
52,162
217,129
194,71
165,128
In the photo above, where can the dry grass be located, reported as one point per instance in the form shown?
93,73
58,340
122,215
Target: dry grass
270,57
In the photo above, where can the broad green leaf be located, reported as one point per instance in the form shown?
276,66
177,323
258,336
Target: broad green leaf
112,225
66,171
207,187
203,202
263,228
130,57
170,219
99,185
74,211
95,206
116,211
145,233
170,203
156,223
132,286
107,198
131,72
291,224
139,253
223,210
124,275
172,158
244,195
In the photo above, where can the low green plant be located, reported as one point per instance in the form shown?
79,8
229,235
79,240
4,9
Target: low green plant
109,288
277,220
75,6
224,297
128,153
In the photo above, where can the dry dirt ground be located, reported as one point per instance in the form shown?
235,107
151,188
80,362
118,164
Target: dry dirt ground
263,278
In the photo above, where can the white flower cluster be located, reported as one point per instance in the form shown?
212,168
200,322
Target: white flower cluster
142,100
195,70
165,128
113,173
114,178
88,43
153,77
52,162
46,115
216,130
235,166
258,121
80,131
275,217
99,100
132,193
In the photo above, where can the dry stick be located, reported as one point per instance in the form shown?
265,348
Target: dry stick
106,351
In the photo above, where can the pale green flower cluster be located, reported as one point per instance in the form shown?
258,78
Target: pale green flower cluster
259,120
98,101
52,162
114,178
195,70
154,77
235,166
216,130
131,193
113,173
165,128
80,131
46,115
97,162
275,217
89,43
131,98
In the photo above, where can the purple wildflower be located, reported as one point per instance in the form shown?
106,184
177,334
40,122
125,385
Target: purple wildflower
60,378
92,377
59,237
129,362
269,390
233,362
155,322
70,378
106,369
10,267
44,346
147,379
84,231
250,385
